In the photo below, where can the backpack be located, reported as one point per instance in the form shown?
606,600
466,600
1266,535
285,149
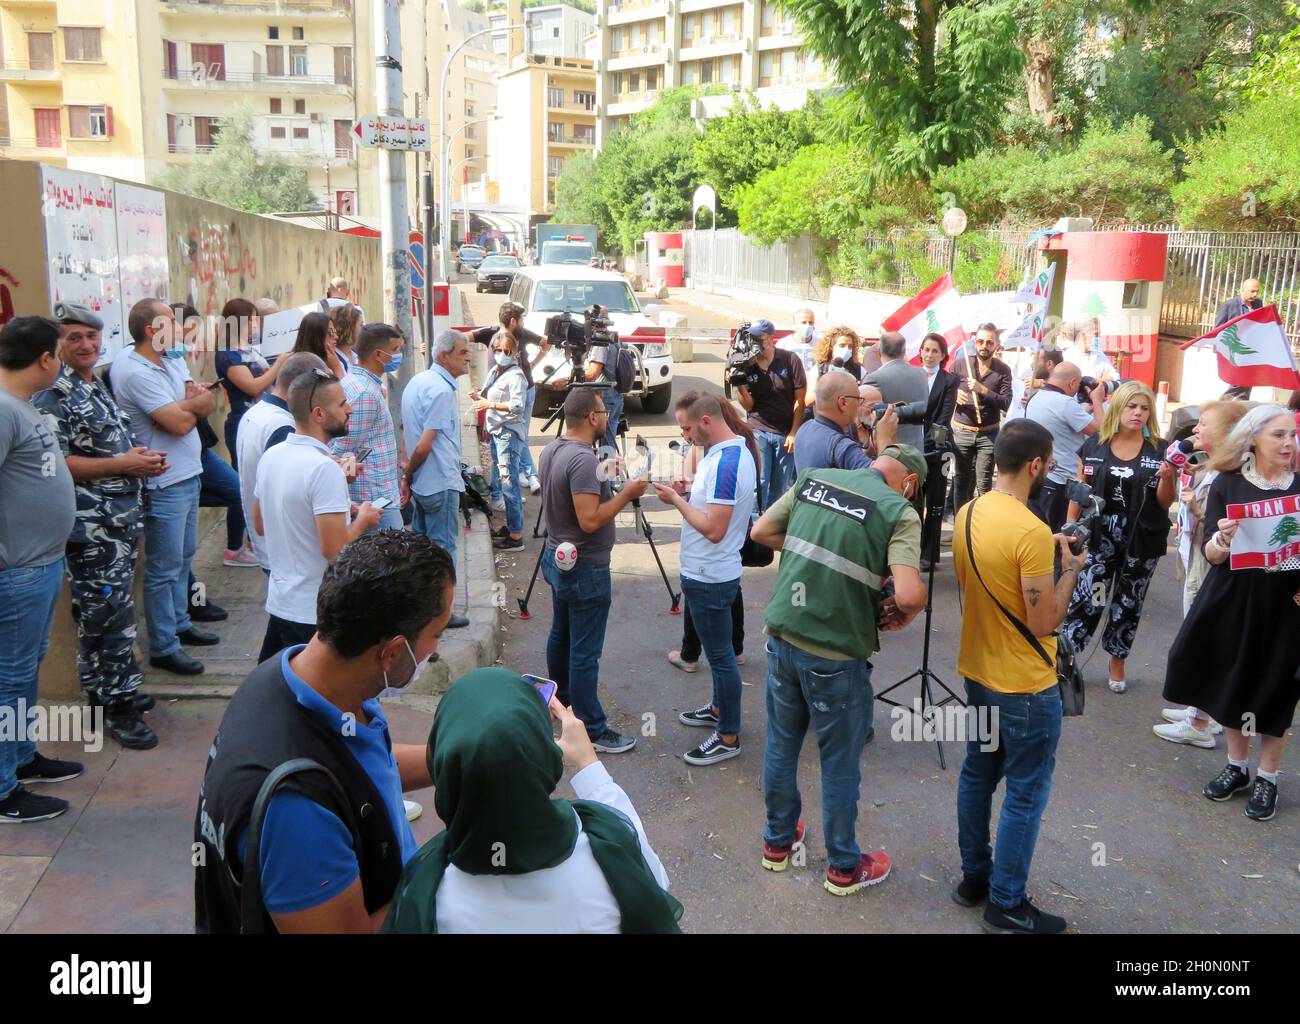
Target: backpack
624,369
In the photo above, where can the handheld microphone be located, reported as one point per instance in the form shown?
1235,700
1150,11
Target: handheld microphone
1183,455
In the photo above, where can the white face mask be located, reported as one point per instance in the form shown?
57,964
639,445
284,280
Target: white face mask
419,668
843,353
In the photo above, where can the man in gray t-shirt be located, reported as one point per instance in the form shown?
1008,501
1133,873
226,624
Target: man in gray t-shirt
579,509
37,510
1055,406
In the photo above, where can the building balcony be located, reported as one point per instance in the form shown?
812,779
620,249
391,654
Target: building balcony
636,10
27,71
17,148
312,154
570,141
702,48
337,9
252,81
651,55
571,109
629,103
687,6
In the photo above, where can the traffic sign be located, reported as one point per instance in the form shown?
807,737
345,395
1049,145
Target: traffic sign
416,254
409,133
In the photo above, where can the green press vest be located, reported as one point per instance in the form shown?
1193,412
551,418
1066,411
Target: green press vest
828,587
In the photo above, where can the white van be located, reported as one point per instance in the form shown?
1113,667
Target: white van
546,290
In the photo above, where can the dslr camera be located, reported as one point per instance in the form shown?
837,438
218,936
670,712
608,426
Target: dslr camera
1086,386
742,357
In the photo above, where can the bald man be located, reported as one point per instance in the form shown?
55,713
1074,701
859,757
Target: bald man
1057,408
832,439
1246,300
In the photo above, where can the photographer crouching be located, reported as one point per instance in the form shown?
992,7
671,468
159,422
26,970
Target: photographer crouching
770,384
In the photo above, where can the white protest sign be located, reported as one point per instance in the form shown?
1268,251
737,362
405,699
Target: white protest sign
280,330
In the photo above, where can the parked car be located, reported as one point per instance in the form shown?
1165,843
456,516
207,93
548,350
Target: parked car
546,290
495,273
468,257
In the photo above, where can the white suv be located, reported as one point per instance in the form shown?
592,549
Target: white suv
546,290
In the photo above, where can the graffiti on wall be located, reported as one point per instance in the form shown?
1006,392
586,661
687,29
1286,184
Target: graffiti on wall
6,295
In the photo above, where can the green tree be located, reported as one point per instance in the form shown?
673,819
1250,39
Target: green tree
926,81
1277,71
1287,530
1231,340
235,174
577,196
735,149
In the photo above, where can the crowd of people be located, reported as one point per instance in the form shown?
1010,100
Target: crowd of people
837,464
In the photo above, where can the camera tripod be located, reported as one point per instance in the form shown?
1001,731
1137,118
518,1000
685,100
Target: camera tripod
639,516
937,464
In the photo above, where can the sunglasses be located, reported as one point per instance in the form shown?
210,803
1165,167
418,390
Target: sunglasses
318,377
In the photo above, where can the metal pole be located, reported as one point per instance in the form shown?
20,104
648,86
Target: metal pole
394,223
429,228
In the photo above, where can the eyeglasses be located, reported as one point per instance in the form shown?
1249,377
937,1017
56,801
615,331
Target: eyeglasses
318,377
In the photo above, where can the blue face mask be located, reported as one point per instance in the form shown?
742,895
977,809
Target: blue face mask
173,353
505,359
806,330
391,367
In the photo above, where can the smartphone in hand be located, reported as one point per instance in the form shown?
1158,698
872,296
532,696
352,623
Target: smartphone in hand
546,688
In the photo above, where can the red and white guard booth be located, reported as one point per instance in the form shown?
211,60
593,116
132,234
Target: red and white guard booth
666,258
1118,277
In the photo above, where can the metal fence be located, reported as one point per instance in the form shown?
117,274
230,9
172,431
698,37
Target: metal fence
724,260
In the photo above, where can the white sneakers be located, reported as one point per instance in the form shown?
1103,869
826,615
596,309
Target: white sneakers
1184,714
534,484
1117,685
413,810
1185,732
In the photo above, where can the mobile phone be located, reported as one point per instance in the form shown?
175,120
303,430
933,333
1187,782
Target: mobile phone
380,503
212,385
545,688
361,453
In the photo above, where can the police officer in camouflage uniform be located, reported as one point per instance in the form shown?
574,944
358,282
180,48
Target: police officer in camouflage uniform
108,470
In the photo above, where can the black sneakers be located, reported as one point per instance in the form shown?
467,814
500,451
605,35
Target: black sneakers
49,769
1025,919
508,543
1263,800
970,893
1227,784
22,806
712,750
611,742
700,717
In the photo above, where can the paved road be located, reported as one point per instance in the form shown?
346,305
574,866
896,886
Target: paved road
1128,843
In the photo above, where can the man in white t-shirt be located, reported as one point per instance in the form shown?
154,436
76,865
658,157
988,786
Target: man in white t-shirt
715,523
265,424
803,339
300,507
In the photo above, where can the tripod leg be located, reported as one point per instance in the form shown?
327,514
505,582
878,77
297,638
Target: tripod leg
532,582
675,607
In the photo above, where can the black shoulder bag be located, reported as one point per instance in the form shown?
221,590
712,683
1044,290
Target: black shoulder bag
1069,679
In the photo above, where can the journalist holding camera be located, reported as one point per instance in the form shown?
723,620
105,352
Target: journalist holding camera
1059,406
1135,486
771,385
1003,557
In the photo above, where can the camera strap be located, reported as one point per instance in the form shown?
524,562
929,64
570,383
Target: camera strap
1024,630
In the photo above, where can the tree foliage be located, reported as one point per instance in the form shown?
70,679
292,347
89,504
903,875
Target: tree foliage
1113,175
578,197
235,174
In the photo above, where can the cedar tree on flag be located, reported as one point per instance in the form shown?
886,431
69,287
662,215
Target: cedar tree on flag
934,310
1253,351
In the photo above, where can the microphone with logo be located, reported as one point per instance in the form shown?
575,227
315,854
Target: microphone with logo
1090,507
1184,456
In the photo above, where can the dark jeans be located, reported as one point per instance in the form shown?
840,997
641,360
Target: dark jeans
281,633
974,464
1052,504
220,487
231,432
691,639
580,601
714,605
835,697
1028,727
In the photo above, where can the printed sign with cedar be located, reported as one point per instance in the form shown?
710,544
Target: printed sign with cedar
1268,533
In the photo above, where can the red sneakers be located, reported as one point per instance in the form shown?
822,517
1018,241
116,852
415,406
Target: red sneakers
777,858
873,869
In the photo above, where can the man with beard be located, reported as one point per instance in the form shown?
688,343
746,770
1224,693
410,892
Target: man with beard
301,507
1002,554
983,395
329,856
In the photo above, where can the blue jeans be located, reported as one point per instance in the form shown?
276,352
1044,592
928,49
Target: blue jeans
614,406
1028,729
391,519
836,698
580,601
506,447
778,467
527,455
435,516
710,605
219,488
28,595
170,537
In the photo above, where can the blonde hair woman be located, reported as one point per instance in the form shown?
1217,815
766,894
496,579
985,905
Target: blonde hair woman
1123,465
1237,652
840,343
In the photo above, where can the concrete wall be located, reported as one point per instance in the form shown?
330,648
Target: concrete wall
214,254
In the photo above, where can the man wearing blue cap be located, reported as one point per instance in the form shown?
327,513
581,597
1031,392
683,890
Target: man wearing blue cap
773,395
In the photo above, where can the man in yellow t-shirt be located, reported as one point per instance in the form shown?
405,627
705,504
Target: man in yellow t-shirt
1009,683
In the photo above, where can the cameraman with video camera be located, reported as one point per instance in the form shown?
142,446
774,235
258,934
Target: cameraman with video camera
610,362
771,386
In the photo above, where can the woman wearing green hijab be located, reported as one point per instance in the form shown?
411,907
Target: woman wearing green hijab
513,857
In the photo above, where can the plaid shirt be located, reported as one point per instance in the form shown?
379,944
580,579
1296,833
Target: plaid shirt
371,426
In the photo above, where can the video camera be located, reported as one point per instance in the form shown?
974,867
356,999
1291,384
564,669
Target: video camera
576,339
742,356
1084,395
1090,507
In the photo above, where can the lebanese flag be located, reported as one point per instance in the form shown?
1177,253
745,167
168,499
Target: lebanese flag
1268,533
1253,351
936,310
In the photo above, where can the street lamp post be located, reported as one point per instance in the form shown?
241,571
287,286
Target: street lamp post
444,143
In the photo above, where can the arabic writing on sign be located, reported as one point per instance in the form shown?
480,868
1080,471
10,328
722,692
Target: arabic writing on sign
816,493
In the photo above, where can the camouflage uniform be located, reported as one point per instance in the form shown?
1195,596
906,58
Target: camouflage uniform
102,547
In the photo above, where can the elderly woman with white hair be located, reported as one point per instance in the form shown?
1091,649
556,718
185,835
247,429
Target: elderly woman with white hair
1237,653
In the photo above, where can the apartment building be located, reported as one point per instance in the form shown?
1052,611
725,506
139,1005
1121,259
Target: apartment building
649,45
547,116
556,30
131,87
